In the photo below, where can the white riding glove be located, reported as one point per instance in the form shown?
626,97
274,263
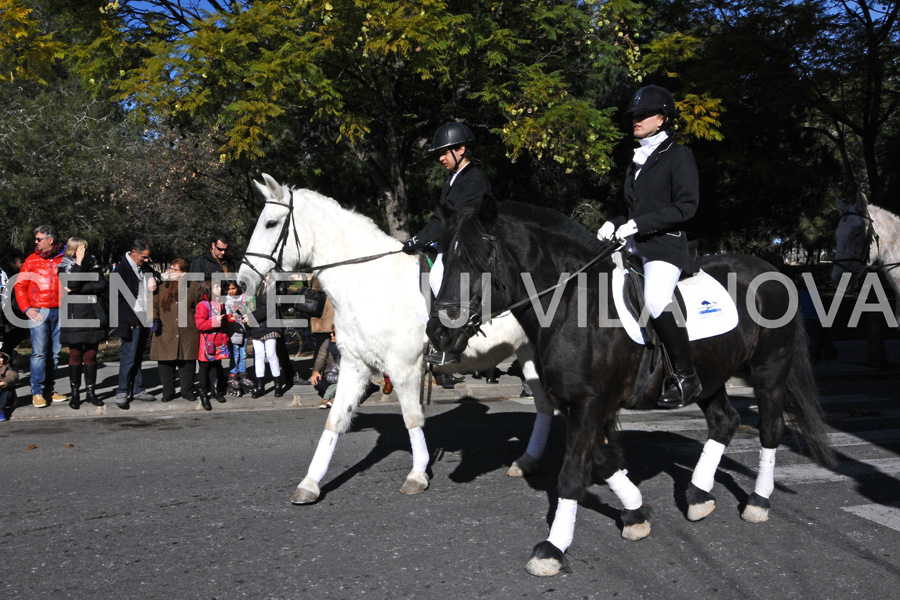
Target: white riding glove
606,231
626,230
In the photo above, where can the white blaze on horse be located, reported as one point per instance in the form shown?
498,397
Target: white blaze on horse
379,313
867,238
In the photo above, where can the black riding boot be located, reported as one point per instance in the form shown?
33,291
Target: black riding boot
214,386
279,386
686,385
75,383
90,382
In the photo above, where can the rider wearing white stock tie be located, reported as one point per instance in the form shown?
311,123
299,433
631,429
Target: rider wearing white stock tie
661,194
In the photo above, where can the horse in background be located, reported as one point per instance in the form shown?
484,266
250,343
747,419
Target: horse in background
591,367
867,238
380,315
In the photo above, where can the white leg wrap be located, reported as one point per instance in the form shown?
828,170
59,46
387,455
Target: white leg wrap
322,457
765,481
539,435
628,493
419,449
704,476
563,529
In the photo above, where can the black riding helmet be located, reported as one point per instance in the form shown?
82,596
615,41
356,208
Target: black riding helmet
652,99
450,135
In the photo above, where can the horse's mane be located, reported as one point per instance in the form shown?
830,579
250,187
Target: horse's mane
344,225
473,236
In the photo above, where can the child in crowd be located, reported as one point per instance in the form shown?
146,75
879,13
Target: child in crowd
326,367
8,379
236,311
265,338
209,317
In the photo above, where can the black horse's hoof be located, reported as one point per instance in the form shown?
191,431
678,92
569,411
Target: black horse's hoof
547,560
636,523
700,503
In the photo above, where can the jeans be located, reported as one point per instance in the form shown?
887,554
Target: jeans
45,349
130,379
238,358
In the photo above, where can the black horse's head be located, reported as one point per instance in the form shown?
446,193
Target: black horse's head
472,283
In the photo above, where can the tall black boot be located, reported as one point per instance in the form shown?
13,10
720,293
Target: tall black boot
685,386
214,385
204,397
90,382
279,386
75,383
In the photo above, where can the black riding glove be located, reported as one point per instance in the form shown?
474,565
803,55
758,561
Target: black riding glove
413,245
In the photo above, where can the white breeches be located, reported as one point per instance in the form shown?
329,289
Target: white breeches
659,285
262,352
436,276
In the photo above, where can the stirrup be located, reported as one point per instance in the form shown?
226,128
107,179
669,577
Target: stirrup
682,391
442,358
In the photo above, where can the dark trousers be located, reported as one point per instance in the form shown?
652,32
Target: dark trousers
130,379
185,370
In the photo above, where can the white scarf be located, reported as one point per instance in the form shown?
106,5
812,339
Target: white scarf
647,146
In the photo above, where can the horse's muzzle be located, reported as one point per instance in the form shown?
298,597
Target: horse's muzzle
444,338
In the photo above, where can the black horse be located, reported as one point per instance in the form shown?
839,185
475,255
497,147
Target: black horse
593,370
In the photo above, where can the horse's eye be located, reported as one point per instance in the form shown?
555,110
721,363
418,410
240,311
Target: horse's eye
271,224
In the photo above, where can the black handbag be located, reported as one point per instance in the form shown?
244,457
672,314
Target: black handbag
313,303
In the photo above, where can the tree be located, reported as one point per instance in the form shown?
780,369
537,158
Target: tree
375,78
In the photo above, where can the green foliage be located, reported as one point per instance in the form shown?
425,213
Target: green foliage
25,53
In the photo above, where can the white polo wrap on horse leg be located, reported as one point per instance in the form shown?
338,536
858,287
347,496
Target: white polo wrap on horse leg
563,529
322,457
419,449
765,481
539,435
704,476
628,493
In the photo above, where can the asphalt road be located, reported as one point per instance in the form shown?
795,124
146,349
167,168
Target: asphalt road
188,504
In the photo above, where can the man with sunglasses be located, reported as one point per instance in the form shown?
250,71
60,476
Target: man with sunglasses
214,259
37,294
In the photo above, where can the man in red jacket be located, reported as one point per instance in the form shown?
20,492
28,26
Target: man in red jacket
37,293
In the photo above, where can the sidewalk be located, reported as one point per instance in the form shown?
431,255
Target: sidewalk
851,363
297,396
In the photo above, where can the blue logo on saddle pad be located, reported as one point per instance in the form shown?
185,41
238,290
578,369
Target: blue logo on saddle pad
709,308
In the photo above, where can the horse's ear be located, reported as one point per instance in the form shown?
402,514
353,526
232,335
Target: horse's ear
271,189
488,212
862,203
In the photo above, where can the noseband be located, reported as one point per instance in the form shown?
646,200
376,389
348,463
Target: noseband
871,237
280,244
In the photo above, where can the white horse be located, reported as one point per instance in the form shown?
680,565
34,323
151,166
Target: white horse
867,237
380,314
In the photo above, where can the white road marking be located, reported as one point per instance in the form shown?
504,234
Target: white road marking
883,514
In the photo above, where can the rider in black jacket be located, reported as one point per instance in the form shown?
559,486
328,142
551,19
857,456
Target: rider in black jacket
661,194
464,190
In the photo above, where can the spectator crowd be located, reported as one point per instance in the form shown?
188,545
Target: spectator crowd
193,316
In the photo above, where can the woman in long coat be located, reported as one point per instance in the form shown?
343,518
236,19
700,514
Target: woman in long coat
175,345
83,340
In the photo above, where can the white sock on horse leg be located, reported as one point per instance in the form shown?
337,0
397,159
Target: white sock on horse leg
322,457
563,529
628,493
765,481
419,449
539,435
704,476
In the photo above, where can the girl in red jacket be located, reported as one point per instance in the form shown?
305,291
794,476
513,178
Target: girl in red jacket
210,319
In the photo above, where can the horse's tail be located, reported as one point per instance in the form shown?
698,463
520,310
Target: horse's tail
802,399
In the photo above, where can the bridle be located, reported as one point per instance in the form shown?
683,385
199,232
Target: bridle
866,252
472,326
277,255
280,244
